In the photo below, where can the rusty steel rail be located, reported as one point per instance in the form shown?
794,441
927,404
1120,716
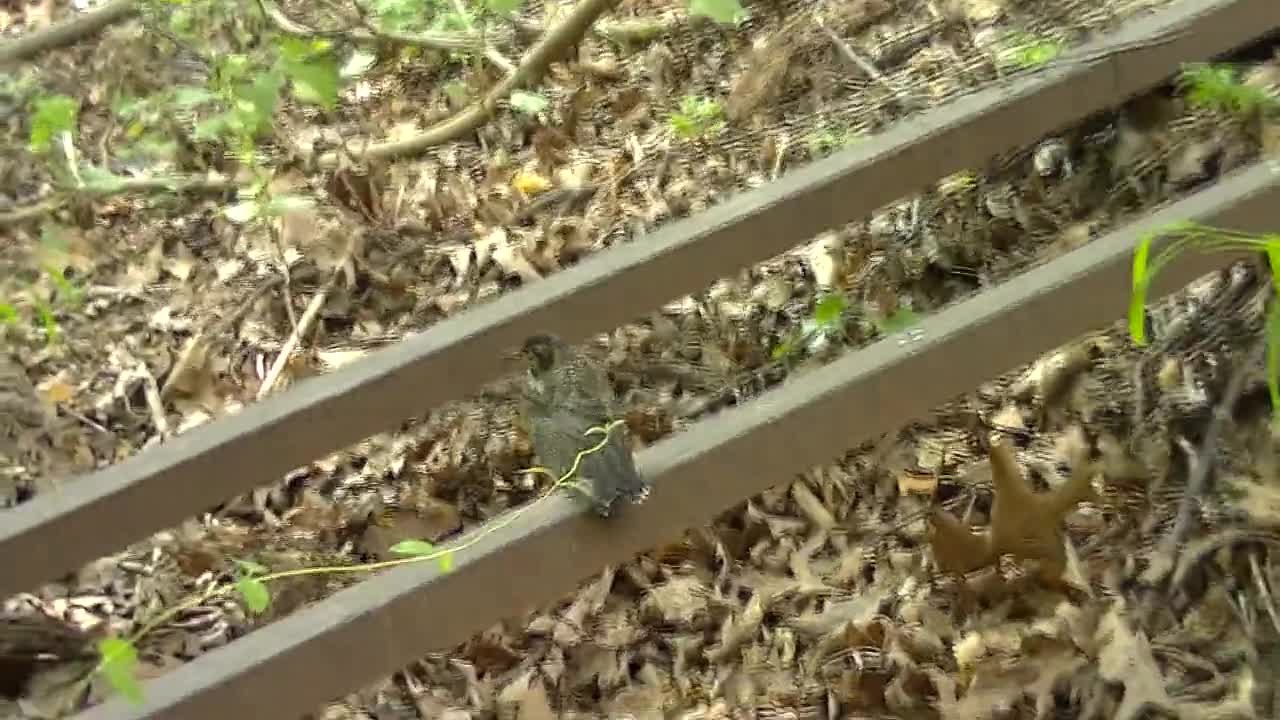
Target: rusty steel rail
59,531
370,630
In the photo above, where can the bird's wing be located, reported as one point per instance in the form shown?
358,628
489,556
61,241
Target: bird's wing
558,438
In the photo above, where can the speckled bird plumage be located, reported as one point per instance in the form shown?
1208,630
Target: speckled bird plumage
565,394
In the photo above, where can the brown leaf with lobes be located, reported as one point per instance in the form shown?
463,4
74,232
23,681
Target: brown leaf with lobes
1025,524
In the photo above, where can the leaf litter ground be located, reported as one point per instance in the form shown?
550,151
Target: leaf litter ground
824,597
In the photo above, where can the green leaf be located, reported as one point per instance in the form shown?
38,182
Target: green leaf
261,95
8,314
445,562
1273,359
1027,51
504,7
254,593
53,115
1219,88
315,81
413,547
528,103
1138,291
725,12
303,50
212,128
47,319
829,310
900,320
117,661
1273,259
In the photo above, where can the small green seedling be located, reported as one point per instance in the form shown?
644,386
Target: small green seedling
1025,51
828,139
1219,88
698,117
824,325
900,320
1186,236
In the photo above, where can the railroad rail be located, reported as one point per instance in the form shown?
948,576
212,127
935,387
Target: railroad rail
371,629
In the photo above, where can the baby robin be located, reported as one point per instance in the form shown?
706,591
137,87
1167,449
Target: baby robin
566,394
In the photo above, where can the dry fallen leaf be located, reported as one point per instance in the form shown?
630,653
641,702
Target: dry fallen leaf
1126,659
1024,524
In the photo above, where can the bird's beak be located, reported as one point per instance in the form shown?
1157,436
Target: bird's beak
512,358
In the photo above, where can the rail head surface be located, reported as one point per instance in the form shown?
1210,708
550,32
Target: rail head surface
60,531
369,630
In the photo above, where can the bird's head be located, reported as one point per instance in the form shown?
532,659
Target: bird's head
542,353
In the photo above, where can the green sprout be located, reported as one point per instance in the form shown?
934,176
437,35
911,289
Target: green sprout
1219,88
697,117
1186,236
828,139
52,116
1025,51
825,324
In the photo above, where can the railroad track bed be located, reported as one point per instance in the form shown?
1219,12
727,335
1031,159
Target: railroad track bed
822,596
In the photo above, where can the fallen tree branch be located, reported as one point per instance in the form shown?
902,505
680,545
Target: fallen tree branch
125,186
1165,561
67,32
532,67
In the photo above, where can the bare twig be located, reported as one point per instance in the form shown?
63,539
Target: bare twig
1260,580
1201,463
192,348
151,391
532,67
305,322
1209,445
869,69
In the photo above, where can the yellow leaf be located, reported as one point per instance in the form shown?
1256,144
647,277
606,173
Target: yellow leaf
56,390
530,183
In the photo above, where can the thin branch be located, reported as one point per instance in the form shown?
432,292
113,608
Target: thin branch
305,322
532,67
1202,461
863,64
